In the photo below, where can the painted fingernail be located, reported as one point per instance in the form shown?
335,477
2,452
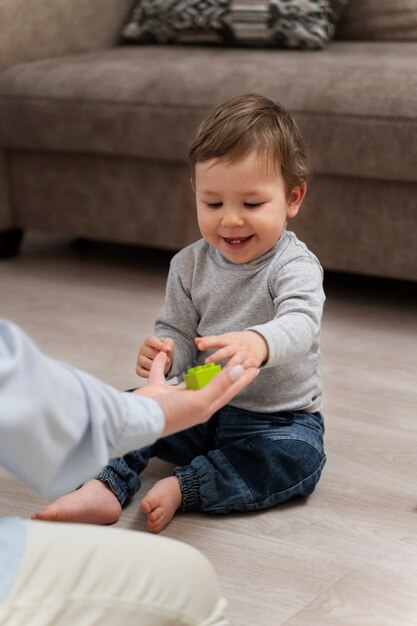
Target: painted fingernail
236,372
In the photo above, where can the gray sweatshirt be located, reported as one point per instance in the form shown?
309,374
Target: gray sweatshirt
279,295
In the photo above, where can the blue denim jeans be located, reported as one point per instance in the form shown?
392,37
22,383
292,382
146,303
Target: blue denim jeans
237,461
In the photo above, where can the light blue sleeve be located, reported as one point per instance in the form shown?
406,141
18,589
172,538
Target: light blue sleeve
12,548
59,426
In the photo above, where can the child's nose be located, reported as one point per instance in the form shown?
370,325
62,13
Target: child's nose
232,218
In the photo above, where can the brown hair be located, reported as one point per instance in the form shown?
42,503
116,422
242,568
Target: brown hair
247,122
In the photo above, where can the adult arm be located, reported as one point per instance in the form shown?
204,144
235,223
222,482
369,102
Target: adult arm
59,426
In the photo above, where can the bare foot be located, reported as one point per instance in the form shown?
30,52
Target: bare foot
161,502
93,503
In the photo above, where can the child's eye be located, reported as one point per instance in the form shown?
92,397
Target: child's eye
214,205
251,205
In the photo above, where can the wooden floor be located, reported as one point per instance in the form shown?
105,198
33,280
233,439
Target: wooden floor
348,554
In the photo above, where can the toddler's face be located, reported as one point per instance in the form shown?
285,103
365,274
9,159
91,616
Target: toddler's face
242,206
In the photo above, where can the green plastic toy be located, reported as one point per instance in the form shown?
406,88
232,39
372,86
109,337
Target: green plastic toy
198,377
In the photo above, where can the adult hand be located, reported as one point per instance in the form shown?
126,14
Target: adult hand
184,408
157,385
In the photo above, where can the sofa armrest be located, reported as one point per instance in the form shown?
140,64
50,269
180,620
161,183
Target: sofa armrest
36,29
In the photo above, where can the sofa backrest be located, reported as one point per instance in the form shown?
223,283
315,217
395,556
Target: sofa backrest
36,29
379,20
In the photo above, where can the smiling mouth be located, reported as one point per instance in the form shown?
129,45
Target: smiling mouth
237,242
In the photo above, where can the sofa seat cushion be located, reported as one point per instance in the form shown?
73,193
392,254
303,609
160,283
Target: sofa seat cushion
356,102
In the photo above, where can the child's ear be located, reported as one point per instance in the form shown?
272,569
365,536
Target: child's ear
192,184
297,195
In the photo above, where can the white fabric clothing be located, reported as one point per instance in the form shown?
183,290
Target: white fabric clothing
118,577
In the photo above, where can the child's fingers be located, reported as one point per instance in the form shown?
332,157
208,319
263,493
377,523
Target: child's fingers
158,343
250,361
245,358
143,365
145,361
149,352
222,354
211,341
168,342
143,373
235,360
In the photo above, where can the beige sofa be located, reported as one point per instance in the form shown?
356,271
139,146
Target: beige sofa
94,134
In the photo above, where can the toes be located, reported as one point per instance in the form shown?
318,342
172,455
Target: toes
145,506
157,524
155,529
149,502
156,515
48,514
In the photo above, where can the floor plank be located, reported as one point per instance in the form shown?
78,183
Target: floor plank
347,555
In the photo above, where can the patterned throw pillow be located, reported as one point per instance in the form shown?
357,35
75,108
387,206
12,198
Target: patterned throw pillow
280,23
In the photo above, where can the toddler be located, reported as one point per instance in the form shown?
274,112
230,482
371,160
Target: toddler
248,292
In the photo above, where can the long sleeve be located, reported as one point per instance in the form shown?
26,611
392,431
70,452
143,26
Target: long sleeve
279,295
58,425
298,299
178,318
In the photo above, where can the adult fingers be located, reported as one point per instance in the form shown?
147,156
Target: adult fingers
188,408
223,387
156,373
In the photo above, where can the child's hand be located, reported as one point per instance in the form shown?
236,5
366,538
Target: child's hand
246,347
184,408
148,351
